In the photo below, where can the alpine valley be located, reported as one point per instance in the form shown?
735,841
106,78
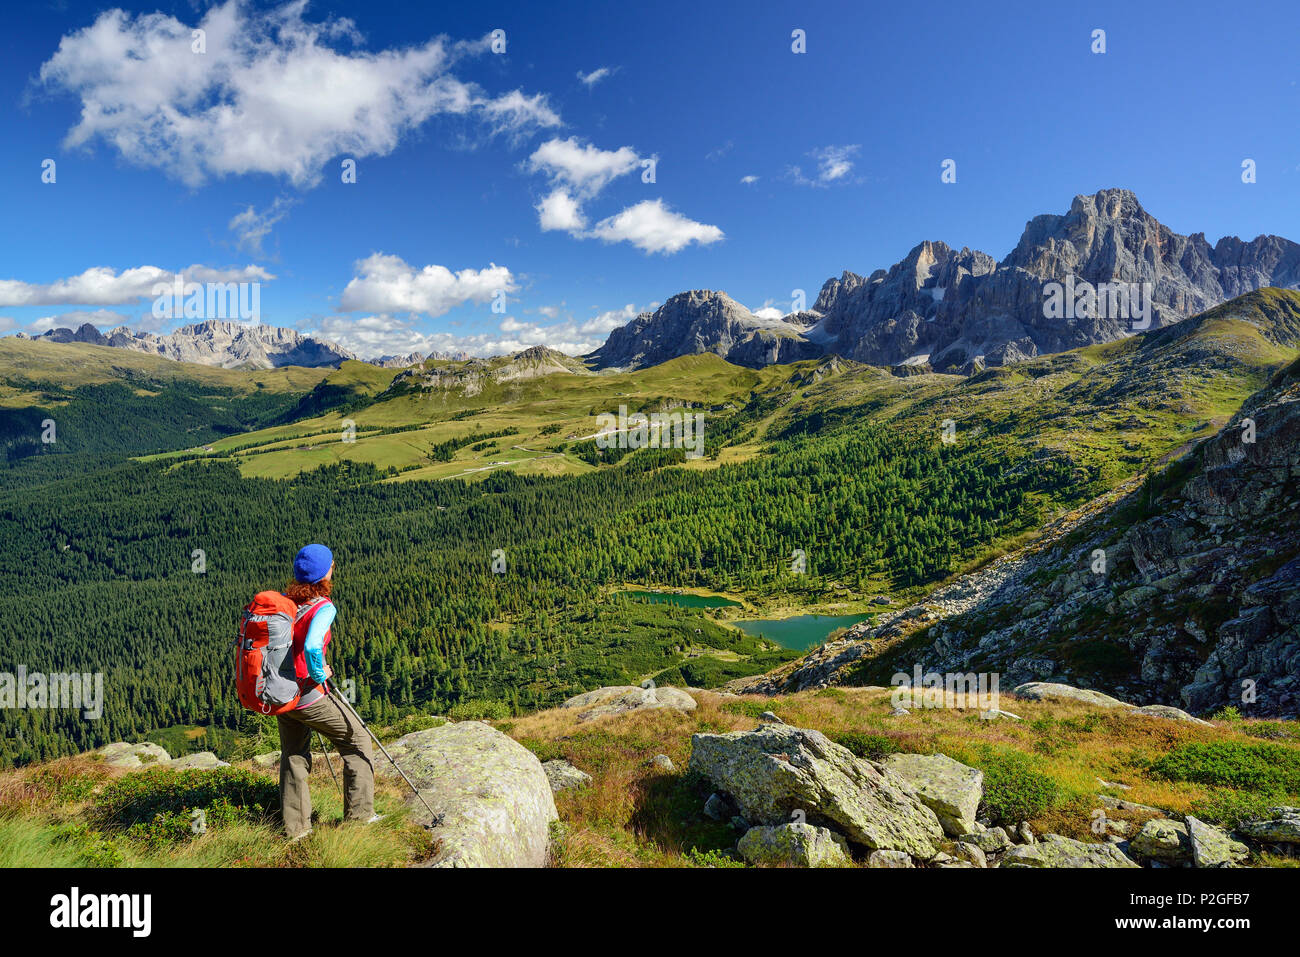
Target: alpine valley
1106,519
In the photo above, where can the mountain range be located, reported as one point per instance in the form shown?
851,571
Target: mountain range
1104,270
961,310
233,345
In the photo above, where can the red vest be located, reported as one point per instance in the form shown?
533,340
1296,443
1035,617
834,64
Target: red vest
300,626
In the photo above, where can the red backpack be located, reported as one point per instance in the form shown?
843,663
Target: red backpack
264,655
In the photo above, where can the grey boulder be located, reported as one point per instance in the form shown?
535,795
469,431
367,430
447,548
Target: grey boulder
882,859
1281,827
201,760
777,770
1057,851
1212,848
620,699
950,789
1164,841
563,776
120,754
1052,691
794,845
493,799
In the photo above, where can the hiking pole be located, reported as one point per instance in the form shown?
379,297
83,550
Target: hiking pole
434,817
328,762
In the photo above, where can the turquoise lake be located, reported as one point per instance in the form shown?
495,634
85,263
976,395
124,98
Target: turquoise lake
800,632
685,601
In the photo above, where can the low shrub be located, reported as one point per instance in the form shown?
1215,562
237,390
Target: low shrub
1016,787
141,798
871,746
1261,768
480,710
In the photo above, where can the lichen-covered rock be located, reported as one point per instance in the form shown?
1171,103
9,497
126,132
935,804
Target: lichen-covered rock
269,760
950,789
663,762
775,770
121,754
972,854
493,798
1057,851
1051,691
1212,848
993,840
795,845
1165,711
621,699
994,713
1282,826
1164,841
889,859
202,760
562,776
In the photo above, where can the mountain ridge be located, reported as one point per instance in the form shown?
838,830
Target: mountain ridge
958,310
229,344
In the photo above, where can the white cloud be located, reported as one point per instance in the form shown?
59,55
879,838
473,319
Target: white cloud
386,284
561,211
269,95
515,112
587,169
749,180
834,163
595,76
101,286
653,227
385,335
251,227
769,312
579,172
607,322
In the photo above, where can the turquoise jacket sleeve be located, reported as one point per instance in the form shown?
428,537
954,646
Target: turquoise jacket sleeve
314,645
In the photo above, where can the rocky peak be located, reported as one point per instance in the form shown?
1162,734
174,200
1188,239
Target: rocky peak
702,320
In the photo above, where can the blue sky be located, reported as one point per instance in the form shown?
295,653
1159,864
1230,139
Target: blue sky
523,171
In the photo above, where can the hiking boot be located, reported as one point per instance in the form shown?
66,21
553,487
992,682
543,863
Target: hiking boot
295,840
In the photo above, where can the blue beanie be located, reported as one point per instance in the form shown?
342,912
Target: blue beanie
312,564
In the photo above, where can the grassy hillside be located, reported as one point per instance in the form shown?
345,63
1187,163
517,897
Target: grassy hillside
105,402
1052,769
31,361
1048,769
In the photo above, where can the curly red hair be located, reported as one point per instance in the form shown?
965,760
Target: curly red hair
302,592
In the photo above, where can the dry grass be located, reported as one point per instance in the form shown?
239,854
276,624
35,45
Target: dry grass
634,814
44,817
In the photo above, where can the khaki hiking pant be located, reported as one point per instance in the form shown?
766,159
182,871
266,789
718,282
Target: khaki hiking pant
348,735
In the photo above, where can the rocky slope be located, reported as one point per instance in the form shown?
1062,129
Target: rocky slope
960,309
704,321
1183,588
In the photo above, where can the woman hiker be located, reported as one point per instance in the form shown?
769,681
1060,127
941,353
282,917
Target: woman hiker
313,572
